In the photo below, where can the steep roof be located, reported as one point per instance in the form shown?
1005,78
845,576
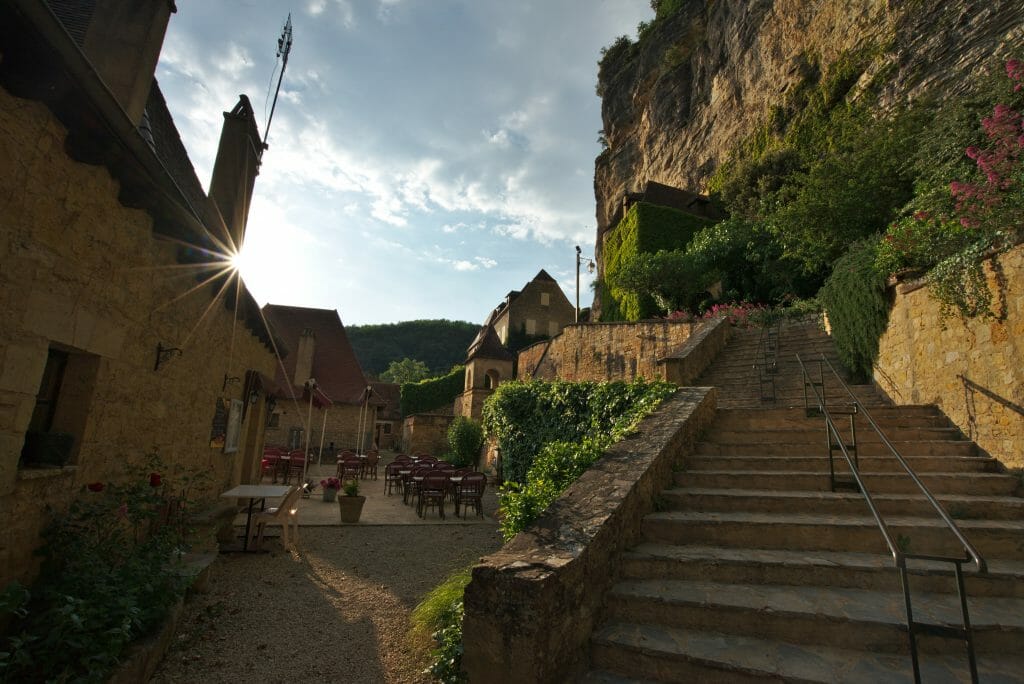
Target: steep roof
335,366
543,275
390,396
486,345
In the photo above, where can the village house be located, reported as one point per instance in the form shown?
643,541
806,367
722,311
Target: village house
124,331
540,310
388,431
340,401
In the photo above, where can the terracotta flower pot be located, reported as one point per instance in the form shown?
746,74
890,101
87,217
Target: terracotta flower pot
351,508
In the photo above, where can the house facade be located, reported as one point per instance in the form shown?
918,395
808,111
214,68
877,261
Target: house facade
340,408
123,332
539,310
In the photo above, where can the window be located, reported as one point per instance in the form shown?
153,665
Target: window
387,428
274,420
545,299
531,326
62,407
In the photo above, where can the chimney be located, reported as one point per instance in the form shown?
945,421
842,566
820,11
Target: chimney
123,42
236,167
304,357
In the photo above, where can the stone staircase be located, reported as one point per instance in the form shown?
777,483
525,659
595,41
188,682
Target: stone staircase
753,569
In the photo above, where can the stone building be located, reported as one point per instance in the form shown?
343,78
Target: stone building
488,363
387,433
341,406
123,331
540,310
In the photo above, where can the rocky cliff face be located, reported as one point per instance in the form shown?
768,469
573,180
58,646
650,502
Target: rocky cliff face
675,104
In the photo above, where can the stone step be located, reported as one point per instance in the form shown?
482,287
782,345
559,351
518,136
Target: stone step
977,484
870,620
816,568
876,464
672,654
810,445
959,507
1002,539
816,434
886,417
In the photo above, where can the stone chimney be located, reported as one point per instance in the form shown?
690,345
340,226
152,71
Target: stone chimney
236,167
304,357
123,41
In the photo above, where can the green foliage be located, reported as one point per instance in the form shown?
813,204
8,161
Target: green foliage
645,228
666,8
440,615
351,487
440,344
406,370
110,572
550,432
427,395
920,241
465,439
858,311
671,279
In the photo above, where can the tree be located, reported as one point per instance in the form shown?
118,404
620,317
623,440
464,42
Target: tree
406,370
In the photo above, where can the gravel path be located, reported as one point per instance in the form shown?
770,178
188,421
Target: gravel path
335,610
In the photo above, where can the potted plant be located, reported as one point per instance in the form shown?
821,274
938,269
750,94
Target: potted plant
351,505
330,486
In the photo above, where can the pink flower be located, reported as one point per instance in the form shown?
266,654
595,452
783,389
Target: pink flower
95,486
155,480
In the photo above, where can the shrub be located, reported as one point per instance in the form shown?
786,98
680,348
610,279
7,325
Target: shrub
110,572
858,311
465,439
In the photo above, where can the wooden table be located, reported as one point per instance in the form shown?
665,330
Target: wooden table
254,492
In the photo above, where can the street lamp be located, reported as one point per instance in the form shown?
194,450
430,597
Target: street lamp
590,269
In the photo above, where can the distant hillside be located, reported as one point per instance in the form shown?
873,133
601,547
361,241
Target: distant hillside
440,344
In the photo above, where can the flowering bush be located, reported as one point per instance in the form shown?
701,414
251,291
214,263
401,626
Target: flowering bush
331,483
742,314
920,241
111,569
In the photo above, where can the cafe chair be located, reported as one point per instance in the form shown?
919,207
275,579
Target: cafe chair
471,491
370,467
284,514
393,477
433,491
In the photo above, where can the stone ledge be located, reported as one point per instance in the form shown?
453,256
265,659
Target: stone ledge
685,364
43,473
532,606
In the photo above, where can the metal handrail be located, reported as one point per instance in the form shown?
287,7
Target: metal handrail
899,557
768,341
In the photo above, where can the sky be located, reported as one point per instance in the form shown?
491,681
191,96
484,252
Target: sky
425,156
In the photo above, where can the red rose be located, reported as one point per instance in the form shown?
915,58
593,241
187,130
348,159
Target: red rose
155,480
95,486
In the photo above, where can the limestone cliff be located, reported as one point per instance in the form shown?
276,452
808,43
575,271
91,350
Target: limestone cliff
701,80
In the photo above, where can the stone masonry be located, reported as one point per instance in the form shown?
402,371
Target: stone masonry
972,370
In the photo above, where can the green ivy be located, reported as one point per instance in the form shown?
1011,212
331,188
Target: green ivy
440,614
550,432
427,395
645,228
855,300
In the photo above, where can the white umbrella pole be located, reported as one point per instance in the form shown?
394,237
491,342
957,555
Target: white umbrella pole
309,427
359,437
323,431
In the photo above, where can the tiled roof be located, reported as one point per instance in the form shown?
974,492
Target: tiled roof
543,275
390,396
486,345
335,366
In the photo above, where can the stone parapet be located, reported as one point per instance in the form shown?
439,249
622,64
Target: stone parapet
531,607
604,351
973,370
685,364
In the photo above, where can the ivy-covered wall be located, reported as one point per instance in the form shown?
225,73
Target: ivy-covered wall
644,228
427,395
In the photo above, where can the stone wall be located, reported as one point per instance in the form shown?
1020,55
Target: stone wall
973,370
342,427
685,364
604,351
426,433
83,274
531,607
